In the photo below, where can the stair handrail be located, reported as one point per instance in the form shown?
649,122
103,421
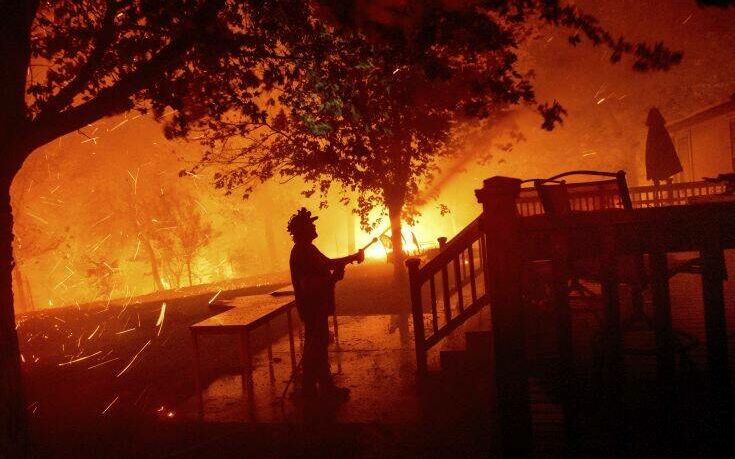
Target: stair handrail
459,254
450,249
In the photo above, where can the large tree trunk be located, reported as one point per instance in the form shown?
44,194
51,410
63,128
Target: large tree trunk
155,272
15,51
13,417
31,304
395,212
19,291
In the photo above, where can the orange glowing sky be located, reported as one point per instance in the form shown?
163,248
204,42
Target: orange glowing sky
72,193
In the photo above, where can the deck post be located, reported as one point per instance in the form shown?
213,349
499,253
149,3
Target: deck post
665,356
417,311
713,275
562,311
503,264
664,335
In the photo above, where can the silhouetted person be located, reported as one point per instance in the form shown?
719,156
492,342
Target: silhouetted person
313,276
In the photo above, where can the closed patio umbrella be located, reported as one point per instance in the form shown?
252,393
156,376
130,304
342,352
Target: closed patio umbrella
662,162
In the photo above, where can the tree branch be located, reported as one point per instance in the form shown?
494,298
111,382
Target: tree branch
103,40
118,97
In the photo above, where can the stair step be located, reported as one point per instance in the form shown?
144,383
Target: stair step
479,344
453,361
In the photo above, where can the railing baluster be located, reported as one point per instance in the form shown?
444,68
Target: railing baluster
613,375
713,275
445,295
458,284
445,285
483,262
664,338
432,294
471,260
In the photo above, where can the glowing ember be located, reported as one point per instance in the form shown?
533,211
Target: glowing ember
215,296
133,359
80,359
93,333
161,315
110,405
103,363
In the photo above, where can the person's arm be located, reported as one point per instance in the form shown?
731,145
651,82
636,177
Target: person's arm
337,263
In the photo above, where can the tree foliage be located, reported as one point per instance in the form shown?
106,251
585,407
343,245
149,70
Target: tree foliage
375,110
93,58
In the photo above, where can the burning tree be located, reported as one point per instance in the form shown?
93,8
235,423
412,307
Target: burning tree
181,234
375,110
152,221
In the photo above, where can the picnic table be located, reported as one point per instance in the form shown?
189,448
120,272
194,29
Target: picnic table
244,315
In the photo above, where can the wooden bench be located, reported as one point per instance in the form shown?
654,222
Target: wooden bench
244,315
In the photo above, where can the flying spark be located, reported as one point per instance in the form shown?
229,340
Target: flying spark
161,315
93,333
101,220
118,125
201,205
137,248
80,359
38,218
133,359
103,363
215,296
110,405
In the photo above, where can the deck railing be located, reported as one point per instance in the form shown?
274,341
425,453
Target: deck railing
674,194
513,240
458,267
460,260
513,230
